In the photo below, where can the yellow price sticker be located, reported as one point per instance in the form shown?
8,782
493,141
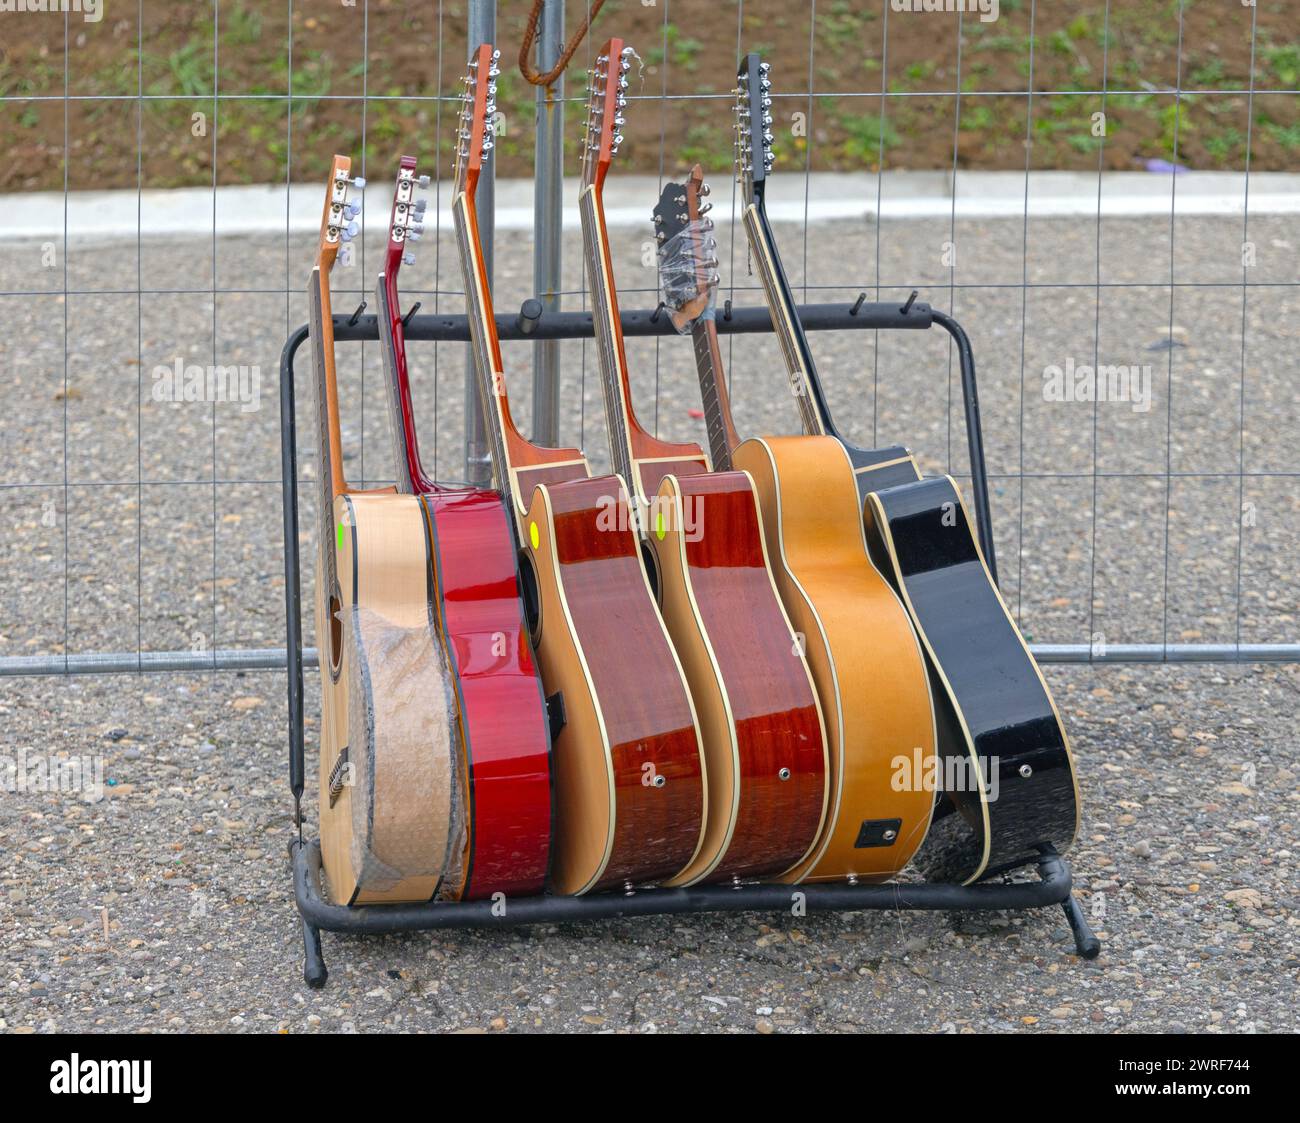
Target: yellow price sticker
534,535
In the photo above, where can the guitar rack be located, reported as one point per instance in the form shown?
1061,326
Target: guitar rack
1053,886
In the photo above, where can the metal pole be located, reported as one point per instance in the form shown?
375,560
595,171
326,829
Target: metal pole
478,466
548,216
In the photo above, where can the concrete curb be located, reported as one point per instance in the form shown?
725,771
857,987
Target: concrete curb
819,197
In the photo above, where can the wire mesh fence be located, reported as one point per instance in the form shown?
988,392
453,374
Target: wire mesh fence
1098,191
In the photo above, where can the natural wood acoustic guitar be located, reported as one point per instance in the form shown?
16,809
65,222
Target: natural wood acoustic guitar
865,659
391,823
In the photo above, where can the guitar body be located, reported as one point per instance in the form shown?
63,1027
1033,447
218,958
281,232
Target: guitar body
999,722
390,822
760,723
630,791
480,620
865,659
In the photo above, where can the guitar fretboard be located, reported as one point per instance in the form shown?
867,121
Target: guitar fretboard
318,305
717,412
608,336
803,378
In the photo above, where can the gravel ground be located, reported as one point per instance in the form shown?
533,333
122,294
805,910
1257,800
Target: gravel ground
1186,865
1187,773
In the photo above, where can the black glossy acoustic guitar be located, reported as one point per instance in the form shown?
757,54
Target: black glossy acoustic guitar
1009,785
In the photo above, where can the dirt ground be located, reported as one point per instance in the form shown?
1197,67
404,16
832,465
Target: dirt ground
368,77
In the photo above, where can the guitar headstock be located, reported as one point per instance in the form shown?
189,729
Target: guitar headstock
406,223
474,141
754,155
338,224
607,84
688,251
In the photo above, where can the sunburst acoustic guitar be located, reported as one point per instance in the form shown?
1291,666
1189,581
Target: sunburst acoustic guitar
629,789
390,815
1012,786
864,655
764,742
505,773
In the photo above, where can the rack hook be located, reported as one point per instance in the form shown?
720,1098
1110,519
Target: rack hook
908,306
862,296
654,316
352,320
406,320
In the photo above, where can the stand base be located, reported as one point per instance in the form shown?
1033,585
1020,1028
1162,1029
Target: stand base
1052,888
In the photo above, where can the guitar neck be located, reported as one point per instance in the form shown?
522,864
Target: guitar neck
401,415
329,470
611,356
484,343
718,421
804,383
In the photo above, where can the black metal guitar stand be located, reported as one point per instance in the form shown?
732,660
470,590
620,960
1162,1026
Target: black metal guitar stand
1052,888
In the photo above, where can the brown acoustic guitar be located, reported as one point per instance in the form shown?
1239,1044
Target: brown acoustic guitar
390,823
764,741
628,771
865,658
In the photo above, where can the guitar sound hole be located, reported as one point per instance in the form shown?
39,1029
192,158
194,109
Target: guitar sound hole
651,568
336,635
528,590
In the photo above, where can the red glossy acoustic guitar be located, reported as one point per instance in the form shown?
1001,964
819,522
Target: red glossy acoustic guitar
629,780
479,620
764,741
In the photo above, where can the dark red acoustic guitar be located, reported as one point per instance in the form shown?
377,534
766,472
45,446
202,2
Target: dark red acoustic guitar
503,716
630,788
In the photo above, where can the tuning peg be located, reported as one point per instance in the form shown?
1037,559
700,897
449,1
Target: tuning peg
765,68
620,120
705,189
622,82
351,210
766,102
494,71
705,208
358,181
345,254
351,230
767,120
422,181
413,235
765,84
408,259
618,139
421,204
